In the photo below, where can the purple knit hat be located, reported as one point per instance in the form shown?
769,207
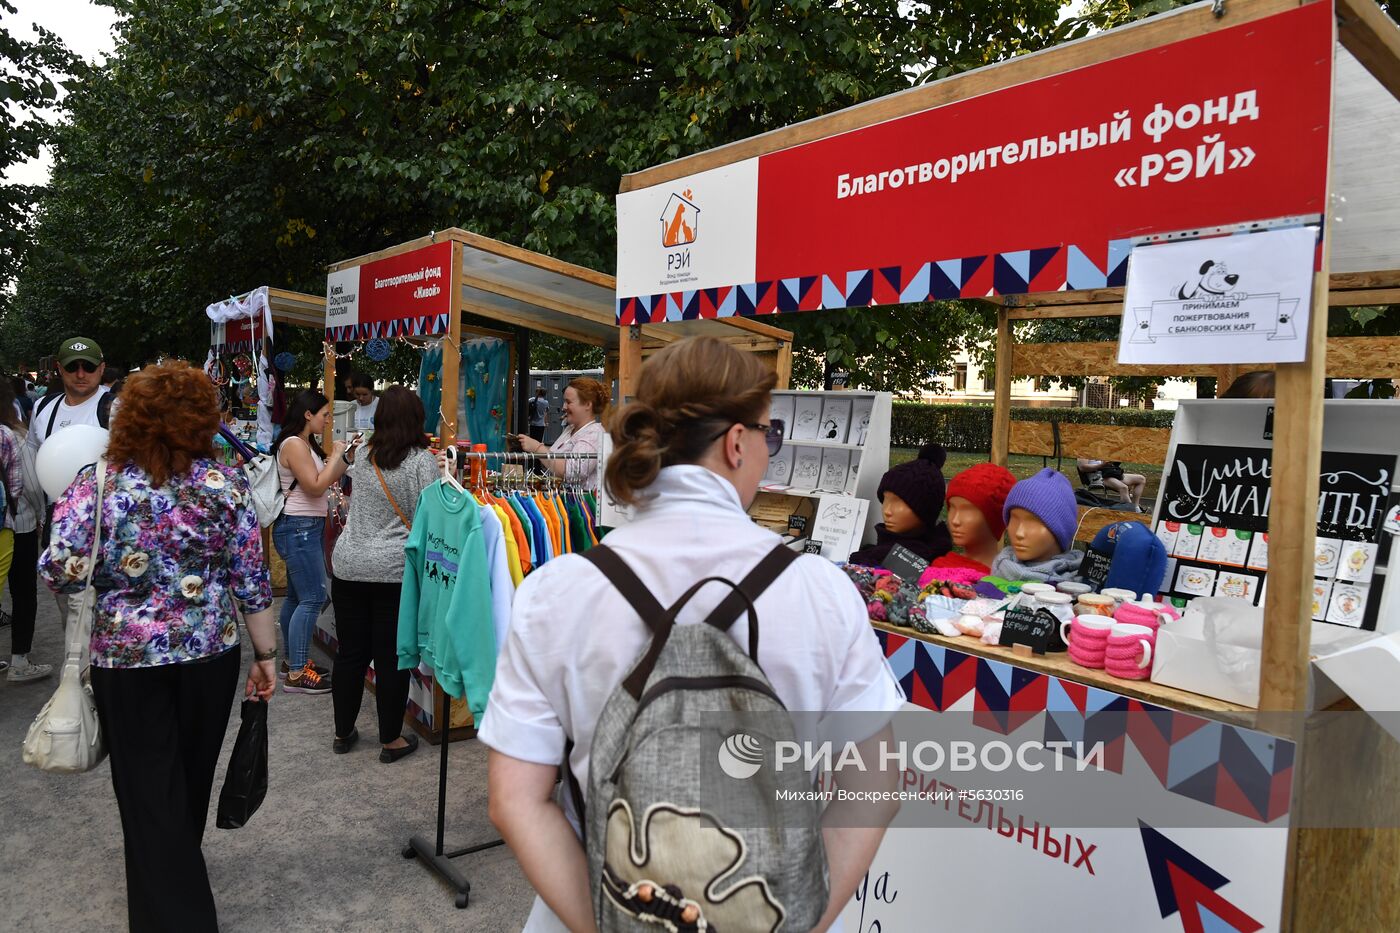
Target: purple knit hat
1049,497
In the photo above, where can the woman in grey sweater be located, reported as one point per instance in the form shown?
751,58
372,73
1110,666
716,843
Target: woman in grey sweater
367,566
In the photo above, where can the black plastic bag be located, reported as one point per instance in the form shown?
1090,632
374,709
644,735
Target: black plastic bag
245,786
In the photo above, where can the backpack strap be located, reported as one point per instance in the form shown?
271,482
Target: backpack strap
656,617
48,403
749,589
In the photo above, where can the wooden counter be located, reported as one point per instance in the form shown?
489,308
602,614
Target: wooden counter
1058,664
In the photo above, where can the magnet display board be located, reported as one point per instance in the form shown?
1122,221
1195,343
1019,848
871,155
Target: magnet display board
1213,508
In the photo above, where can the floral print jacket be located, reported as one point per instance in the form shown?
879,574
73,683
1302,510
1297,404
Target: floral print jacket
174,558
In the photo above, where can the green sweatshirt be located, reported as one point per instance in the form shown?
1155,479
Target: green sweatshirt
445,609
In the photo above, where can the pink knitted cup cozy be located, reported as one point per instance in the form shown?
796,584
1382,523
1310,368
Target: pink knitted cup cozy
1137,615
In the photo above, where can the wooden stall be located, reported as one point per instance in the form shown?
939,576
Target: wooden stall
533,292
1050,239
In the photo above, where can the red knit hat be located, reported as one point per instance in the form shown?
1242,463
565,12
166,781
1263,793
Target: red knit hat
986,486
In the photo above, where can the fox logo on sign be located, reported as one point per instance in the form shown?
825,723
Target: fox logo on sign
680,220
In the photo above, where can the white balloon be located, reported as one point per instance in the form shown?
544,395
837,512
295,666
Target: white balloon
65,453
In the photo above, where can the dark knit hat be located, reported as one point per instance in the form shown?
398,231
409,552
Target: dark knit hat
986,486
919,483
1049,497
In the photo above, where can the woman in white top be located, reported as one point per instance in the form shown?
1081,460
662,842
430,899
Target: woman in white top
585,400
299,532
366,401
690,451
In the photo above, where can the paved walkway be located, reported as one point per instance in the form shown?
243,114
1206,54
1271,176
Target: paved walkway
323,852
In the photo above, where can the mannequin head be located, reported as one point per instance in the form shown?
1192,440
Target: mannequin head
911,494
1041,516
967,524
976,497
899,518
1030,539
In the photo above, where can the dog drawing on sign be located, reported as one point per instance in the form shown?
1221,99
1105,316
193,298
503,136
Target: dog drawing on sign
1215,281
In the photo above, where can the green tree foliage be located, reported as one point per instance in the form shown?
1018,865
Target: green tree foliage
231,143
28,70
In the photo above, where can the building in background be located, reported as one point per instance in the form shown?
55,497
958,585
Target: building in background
970,384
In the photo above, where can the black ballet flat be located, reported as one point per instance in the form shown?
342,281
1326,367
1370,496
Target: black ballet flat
390,755
341,746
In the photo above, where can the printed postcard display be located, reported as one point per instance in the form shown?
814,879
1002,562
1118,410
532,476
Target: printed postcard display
1214,519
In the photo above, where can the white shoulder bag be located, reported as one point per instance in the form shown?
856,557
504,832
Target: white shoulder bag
64,736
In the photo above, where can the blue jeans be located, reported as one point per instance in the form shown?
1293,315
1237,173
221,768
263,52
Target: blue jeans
299,540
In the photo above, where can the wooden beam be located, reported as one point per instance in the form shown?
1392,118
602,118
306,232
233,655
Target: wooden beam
783,366
1347,357
388,251
531,258
505,317
1001,415
1065,311
1381,278
1373,38
629,361
1086,296
1363,296
328,387
1143,36
757,327
540,300
452,356
1297,457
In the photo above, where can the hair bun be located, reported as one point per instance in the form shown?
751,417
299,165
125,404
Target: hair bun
937,454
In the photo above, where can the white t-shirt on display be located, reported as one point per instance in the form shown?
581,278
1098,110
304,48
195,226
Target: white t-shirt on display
364,415
573,637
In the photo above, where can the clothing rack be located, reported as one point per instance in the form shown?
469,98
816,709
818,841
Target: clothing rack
433,854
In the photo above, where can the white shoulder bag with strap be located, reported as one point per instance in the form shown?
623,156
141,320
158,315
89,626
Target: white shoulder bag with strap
64,737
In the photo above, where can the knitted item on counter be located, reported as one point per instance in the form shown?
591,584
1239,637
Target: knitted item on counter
938,572
991,588
1137,557
1049,497
1051,570
1086,659
919,483
943,588
1137,615
896,599
1127,670
986,486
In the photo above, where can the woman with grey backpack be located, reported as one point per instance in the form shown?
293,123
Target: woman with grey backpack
597,673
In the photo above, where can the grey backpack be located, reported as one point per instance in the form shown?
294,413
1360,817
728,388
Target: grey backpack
675,843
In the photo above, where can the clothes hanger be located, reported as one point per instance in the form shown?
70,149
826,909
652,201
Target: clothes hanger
449,470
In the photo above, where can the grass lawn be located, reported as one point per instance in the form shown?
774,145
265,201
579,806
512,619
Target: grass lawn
1022,466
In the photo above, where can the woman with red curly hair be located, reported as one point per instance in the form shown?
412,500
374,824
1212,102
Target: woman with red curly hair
180,545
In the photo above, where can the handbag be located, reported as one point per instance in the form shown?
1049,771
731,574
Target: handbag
265,485
65,737
390,496
245,785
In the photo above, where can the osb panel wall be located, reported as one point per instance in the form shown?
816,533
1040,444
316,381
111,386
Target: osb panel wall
1093,520
1097,441
1354,357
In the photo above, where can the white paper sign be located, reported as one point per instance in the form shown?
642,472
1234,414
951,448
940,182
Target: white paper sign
838,525
1229,299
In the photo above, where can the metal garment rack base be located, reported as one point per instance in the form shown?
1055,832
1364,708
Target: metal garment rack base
433,855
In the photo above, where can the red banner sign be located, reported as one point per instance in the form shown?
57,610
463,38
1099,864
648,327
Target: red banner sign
1036,187
408,294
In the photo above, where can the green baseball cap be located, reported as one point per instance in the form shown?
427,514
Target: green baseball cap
79,348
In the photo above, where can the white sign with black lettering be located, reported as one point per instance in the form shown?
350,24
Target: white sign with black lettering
1228,299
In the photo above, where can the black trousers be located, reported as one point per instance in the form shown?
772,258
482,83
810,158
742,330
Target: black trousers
366,627
537,431
24,577
164,728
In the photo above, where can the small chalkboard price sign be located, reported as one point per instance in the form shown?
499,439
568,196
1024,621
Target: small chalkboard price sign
1094,568
797,524
905,564
1037,628
812,547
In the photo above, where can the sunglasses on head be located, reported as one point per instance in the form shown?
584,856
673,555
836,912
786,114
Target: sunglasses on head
84,365
772,434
